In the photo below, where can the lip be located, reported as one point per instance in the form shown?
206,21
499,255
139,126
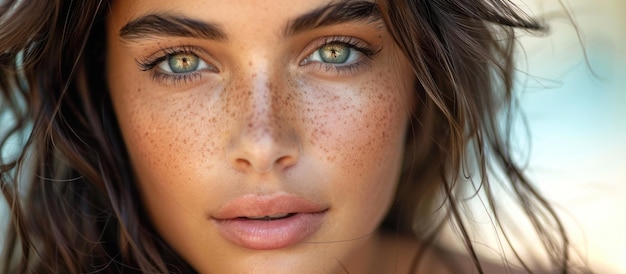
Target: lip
305,218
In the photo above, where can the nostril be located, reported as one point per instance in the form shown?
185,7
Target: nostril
287,161
263,160
242,163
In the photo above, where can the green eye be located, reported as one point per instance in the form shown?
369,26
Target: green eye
337,53
183,63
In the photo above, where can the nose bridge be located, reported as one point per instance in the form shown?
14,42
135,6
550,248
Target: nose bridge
263,139
261,114
262,91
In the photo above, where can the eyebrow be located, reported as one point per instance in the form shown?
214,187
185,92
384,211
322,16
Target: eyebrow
333,14
171,25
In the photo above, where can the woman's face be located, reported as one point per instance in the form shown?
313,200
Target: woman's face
266,136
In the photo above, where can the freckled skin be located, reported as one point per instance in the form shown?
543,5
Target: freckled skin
263,125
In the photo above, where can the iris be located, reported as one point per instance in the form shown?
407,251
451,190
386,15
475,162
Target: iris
334,53
183,63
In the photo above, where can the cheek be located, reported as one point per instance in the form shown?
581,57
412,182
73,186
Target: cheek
361,137
359,131
171,136
167,135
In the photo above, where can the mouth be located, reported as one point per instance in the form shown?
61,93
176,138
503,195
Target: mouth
264,223
269,218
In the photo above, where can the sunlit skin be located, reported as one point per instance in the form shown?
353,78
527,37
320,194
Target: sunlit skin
261,115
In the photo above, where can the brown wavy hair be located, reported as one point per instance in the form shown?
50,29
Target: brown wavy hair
71,193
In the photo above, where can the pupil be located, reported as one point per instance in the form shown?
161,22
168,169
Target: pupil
334,53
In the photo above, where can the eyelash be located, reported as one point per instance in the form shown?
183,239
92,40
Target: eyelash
151,62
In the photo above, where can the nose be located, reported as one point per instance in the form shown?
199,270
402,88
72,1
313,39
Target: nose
263,138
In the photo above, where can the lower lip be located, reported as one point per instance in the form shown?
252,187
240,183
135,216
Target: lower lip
274,234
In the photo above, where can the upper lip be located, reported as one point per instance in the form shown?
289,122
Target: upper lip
252,205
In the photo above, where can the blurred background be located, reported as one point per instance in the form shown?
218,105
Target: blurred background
576,112
572,90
